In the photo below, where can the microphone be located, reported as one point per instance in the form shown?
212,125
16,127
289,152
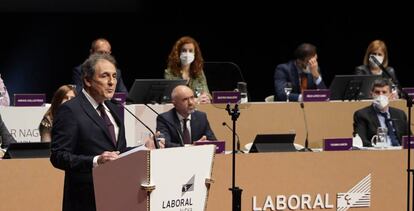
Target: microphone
238,139
157,145
306,148
168,122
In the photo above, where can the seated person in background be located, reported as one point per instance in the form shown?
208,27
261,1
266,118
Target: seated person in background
380,114
4,95
299,74
100,45
5,137
186,62
183,124
63,94
378,49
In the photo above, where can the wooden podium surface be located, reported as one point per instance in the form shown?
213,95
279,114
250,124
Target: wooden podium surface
30,184
310,173
324,119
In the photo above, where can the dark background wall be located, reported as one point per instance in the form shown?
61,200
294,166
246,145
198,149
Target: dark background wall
42,43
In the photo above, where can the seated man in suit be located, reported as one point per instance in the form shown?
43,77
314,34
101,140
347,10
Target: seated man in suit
183,124
380,114
102,46
299,74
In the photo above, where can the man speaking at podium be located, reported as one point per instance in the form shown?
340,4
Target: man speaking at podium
87,132
182,124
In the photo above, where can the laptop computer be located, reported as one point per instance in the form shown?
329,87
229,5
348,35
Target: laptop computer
28,150
274,143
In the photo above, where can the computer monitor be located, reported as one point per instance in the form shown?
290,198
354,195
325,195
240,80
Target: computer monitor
145,91
274,143
352,87
28,150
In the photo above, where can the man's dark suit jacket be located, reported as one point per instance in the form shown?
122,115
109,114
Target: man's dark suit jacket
366,123
5,137
169,125
77,80
79,134
288,72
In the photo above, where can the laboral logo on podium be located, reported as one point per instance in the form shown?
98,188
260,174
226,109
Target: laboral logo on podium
358,196
184,202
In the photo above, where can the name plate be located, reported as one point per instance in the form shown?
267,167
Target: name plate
220,145
337,144
120,97
29,99
226,97
410,92
405,142
316,95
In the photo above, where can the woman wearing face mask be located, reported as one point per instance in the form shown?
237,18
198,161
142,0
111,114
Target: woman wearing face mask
186,62
299,74
63,94
378,50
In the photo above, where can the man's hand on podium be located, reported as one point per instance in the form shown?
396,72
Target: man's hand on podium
107,156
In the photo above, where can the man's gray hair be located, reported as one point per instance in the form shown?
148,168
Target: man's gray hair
88,67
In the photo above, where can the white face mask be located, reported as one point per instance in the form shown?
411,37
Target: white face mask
380,102
379,58
186,58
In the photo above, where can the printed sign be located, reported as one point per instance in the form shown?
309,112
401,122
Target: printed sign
226,97
29,99
316,95
337,144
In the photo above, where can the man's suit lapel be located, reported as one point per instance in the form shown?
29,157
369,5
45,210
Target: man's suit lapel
113,109
195,126
374,117
93,114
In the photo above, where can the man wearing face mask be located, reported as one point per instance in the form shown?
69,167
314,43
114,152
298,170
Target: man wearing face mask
299,74
380,114
186,62
378,49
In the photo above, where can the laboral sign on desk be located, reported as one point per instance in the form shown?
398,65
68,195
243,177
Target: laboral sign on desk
358,196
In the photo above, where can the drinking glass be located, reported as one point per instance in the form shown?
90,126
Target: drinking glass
381,137
288,89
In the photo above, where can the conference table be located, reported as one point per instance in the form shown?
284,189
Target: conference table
371,179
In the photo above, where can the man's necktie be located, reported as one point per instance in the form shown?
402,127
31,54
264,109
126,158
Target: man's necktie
186,133
391,130
303,82
107,122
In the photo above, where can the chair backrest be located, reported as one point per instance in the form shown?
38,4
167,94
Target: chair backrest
270,98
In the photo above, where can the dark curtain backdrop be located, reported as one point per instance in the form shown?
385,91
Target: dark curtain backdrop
41,45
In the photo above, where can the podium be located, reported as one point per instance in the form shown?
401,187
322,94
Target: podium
164,179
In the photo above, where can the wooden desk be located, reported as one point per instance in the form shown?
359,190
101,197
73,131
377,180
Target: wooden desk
324,119
308,174
30,184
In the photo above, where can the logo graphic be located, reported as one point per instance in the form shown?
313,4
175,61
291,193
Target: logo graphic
189,186
357,196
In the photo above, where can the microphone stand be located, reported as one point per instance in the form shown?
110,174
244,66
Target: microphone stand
306,148
409,100
156,144
236,191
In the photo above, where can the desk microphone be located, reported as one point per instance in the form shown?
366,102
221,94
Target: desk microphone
157,145
238,139
306,148
168,122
